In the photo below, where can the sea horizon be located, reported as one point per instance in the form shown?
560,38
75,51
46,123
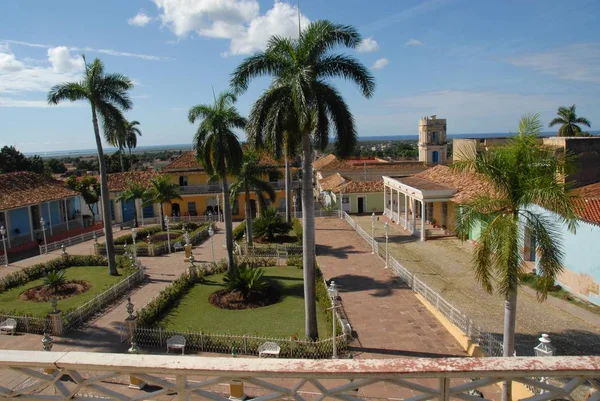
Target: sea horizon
157,148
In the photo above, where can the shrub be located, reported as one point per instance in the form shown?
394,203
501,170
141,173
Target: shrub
238,232
295,261
55,280
189,226
161,237
246,280
142,233
269,223
298,230
165,300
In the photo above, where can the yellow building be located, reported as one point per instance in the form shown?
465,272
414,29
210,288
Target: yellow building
201,196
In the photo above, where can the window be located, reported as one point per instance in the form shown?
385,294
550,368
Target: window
273,176
192,209
183,181
236,207
345,199
429,211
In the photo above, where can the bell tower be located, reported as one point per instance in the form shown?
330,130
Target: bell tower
433,144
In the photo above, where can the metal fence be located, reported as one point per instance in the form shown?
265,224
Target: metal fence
3,260
86,311
28,324
156,338
52,246
487,341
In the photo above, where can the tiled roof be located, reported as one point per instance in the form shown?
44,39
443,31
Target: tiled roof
26,188
423,184
468,185
330,162
588,191
588,209
118,181
361,187
332,182
323,161
188,161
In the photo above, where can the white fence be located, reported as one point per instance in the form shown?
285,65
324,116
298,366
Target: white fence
28,324
488,342
52,246
3,260
102,300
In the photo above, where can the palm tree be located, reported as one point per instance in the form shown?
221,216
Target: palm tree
568,119
108,97
219,150
125,137
131,133
133,192
524,175
161,191
305,107
249,179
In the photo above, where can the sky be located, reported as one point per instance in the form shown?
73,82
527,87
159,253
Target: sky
479,64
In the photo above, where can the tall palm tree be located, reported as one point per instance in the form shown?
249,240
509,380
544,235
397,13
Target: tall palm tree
568,119
249,179
162,190
306,107
108,97
524,175
133,192
125,137
132,131
219,151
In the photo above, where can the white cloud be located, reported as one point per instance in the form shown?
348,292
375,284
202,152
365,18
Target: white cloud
367,45
239,21
379,64
9,102
8,62
576,62
140,19
61,60
413,42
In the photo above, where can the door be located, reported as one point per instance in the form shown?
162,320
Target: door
128,209
148,211
252,208
361,205
435,157
175,209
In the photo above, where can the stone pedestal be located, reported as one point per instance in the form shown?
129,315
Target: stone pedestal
236,390
56,323
130,326
188,252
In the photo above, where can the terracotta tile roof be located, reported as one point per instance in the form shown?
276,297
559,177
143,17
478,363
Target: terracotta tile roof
323,161
186,161
332,182
588,210
588,191
330,162
422,183
118,181
26,188
468,185
360,187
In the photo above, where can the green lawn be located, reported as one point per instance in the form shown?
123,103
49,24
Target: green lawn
283,319
97,276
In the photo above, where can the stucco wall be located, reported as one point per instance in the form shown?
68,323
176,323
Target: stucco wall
587,152
581,274
373,202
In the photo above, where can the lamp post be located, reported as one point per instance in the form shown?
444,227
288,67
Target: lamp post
544,348
386,227
333,293
168,236
3,233
43,224
294,200
341,208
133,235
373,233
211,234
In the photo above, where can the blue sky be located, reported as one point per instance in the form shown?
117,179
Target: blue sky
480,64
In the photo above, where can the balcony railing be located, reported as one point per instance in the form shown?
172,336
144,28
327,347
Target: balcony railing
61,376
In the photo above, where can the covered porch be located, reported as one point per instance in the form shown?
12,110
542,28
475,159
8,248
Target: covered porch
419,205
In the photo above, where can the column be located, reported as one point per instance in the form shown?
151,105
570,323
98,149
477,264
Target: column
49,217
66,213
384,199
30,222
414,214
8,230
398,220
405,211
423,205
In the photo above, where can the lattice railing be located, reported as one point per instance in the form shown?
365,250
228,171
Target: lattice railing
62,376
3,261
28,324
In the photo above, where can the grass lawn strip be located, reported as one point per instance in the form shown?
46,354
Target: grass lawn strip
282,319
97,276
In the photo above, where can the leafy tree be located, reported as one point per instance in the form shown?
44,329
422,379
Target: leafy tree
89,189
11,160
269,224
133,192
249,179
56,166
569,121
523,175
107,95
55,280
246,280
301,107
219,150
162,191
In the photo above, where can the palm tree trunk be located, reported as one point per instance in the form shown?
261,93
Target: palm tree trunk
162,217
288,213
104,195
228,223
121,160
308,241
248,217
510,322
135,213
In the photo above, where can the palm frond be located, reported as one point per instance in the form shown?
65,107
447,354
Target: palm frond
347,67
71,91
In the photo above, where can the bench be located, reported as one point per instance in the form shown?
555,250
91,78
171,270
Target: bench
8,326
269,348
176,343
177,246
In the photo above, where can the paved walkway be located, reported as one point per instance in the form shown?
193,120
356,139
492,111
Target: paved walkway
445,265
388,319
